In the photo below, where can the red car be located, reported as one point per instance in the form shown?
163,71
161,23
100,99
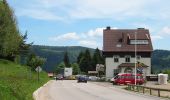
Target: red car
127,78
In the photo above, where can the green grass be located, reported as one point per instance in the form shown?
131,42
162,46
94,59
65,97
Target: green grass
18,82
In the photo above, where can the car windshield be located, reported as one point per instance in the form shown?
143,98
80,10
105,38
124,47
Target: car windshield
116,77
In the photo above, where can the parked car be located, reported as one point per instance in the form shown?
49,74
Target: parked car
59,77
93,78
127,78
82,79
71,77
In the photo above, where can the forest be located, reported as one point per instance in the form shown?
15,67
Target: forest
55,55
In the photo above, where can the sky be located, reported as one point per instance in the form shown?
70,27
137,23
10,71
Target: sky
81,22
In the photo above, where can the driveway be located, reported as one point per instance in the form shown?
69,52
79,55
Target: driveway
71,90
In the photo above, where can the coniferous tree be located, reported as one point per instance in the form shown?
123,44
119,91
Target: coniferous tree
34,61
24,47
81,54
10,37
66,60
85,62
97,58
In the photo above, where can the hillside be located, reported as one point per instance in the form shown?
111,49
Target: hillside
55,54
16,81
160,60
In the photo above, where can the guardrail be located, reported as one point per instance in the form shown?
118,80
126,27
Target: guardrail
137,88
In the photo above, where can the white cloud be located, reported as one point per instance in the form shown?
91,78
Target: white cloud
39,14
165,31
65,37
92,38
96,32
156,37
92,9
105,8
88,43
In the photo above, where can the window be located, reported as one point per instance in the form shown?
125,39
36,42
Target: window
138,57
116,58
139,42
127,58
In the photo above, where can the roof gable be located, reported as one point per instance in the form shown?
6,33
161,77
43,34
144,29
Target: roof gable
117,40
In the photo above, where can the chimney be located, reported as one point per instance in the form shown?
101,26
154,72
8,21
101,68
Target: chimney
108,28
141,28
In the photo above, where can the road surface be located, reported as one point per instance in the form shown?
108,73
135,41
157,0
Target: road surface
71,90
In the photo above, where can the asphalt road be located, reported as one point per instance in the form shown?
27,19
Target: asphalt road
71,90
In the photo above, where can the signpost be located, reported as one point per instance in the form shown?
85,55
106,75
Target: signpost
99,68
38,69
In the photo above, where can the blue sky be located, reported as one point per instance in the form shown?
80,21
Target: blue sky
81,22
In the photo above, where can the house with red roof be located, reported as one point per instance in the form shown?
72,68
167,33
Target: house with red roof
119,46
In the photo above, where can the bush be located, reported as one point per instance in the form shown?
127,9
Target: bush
167,72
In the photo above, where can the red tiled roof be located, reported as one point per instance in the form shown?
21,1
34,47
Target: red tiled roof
117,40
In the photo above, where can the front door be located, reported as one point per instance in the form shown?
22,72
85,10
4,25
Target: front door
128,70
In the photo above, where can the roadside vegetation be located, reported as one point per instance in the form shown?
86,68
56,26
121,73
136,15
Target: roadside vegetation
18,82
85,62
167,72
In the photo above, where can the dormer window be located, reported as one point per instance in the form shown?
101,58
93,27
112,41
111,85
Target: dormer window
118,45
139,42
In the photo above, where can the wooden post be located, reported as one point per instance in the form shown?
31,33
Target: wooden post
133,88
159,93
137,87
129,87
150,91
143,90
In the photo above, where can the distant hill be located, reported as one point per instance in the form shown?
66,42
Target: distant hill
55,54
160,60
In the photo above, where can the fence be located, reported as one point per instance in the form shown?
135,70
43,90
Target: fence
139,88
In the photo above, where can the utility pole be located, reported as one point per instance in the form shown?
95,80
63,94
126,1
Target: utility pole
135,55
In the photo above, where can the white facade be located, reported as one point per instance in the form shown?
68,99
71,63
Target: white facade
111,65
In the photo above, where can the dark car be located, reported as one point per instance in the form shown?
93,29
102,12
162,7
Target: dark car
59,77
82,79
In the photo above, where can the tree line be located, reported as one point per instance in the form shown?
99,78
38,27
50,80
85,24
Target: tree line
85,62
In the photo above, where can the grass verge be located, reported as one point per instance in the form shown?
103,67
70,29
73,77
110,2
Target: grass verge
18,82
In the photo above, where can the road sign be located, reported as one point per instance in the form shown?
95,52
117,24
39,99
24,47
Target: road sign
99,67
38,69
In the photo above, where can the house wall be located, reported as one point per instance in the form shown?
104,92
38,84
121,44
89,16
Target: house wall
111,65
